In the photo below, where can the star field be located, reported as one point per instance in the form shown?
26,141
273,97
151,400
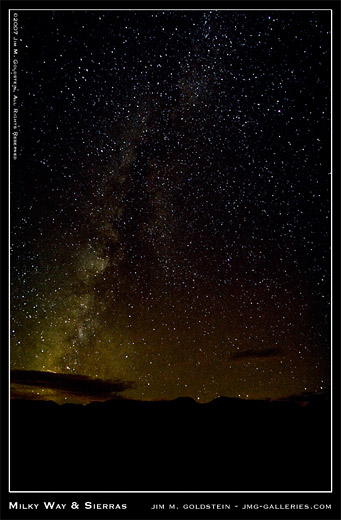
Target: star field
170,204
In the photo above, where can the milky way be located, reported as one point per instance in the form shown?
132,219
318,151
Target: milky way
170,204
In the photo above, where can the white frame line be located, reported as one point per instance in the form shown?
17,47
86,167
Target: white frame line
9,227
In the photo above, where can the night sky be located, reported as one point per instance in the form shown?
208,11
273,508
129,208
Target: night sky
170,203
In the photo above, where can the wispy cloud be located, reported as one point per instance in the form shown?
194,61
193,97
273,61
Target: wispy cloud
256,354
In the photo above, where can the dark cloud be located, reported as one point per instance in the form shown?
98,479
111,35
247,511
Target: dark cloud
67,384
308,398
256,354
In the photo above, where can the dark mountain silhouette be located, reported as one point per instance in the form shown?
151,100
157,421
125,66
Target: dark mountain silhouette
180,445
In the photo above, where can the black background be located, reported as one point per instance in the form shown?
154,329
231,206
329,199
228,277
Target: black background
139,503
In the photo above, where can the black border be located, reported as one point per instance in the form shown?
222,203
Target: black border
139,504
